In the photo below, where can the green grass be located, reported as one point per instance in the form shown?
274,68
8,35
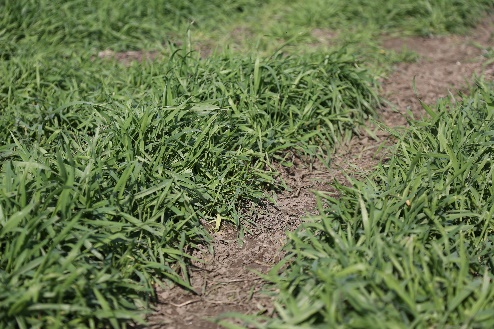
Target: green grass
108,170
406,17
111,24
412,246
263,26
358,25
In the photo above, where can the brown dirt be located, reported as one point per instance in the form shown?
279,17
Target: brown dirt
226,280
447,65
127,57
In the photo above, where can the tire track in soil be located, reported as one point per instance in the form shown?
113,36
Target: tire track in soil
226,281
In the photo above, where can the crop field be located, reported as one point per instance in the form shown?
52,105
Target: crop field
132,132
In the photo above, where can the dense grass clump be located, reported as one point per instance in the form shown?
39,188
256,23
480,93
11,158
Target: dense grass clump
95,205
410,248
309,101
107,170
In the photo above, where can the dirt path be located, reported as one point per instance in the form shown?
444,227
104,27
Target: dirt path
225,281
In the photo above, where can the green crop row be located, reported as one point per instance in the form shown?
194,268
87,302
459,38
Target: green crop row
412,246
107,170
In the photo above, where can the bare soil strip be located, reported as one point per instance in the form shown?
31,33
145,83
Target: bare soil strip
226,280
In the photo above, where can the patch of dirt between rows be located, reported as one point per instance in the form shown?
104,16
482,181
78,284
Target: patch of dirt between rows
448,65
226,280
